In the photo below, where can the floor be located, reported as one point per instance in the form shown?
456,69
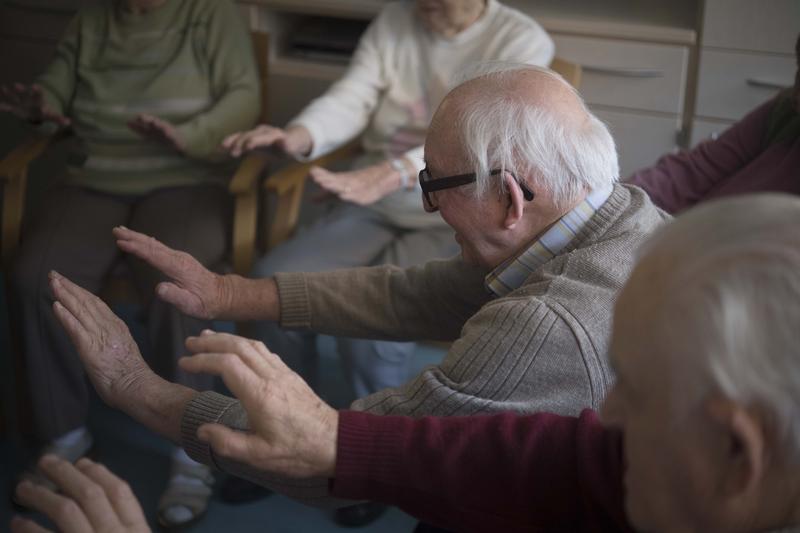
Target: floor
142,459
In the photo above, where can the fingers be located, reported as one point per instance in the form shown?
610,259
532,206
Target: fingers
65,513
260,137
119,493
253,353
90,496
185,301
25,525
149,250
238,376
75,300
232,444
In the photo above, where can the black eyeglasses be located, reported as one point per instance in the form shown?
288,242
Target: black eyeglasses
429,185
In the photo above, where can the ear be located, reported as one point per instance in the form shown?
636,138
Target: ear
744,460
516,202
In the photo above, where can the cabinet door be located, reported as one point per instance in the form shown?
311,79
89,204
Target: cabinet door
641,138
649,77
733,83
759,25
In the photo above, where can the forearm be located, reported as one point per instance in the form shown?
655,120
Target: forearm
158,405
250,299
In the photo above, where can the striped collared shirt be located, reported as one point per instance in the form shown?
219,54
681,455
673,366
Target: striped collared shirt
512,273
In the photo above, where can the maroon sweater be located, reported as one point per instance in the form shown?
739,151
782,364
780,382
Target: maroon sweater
761,152
488,473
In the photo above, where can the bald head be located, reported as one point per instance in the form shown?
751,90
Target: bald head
526,119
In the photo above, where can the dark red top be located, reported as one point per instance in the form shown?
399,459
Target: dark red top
759,153
493,473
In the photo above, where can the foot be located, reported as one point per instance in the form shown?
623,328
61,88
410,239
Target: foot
359,515
185,500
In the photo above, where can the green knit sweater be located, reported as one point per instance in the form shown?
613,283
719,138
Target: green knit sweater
189,62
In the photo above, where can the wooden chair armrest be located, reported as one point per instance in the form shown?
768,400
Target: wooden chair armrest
14,181
16,162
288,184
244,188
293,175
247,174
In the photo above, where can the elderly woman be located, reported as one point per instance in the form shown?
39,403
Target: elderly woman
150,88
407,60
761,152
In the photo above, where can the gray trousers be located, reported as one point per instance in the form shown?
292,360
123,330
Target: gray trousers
351,236
71,233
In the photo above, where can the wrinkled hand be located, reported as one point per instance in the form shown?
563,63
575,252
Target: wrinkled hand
27,102
194,290
293,431
108,352
293,141
362,187
158,130
92,499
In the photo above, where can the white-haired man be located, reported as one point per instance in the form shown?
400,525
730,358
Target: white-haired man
702,427
527,180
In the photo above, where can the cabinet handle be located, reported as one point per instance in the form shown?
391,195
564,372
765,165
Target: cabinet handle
626,72
767,84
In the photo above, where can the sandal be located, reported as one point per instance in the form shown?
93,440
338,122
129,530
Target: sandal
187,494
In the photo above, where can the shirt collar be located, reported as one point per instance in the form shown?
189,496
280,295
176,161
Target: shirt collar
512,273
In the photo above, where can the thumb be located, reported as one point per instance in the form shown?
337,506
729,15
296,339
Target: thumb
183,300
227,442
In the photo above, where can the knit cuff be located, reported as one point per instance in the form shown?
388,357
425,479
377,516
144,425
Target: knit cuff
206,407
366,455
294,301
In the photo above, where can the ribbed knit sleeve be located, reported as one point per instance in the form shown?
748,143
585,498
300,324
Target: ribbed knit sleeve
515,354
432,301
490,473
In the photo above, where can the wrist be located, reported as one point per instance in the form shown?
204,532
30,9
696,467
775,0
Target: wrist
404,174
327,466
299,141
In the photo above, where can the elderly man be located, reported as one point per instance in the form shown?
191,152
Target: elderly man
703,416
547,240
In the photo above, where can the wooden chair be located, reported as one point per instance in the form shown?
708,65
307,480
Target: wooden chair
287,184
243,187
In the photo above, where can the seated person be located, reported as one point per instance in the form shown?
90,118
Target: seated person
405,63
761,152
527,304
150,88
700,432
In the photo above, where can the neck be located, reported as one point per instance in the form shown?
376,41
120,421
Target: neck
470,19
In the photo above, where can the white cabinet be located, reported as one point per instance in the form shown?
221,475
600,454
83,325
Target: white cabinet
746,57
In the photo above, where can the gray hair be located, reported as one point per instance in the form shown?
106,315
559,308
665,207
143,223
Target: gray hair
507,132
729,277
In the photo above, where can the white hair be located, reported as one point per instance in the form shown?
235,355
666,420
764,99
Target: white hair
505,131
730,282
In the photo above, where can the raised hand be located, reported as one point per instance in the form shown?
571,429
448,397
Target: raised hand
193,289
91,499
293,431
158,130
27,102
108,352
363,187
293,141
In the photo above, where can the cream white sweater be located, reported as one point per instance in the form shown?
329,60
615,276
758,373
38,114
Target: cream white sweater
399,74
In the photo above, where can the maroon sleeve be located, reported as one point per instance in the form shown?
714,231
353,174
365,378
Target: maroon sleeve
486,473
678,181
